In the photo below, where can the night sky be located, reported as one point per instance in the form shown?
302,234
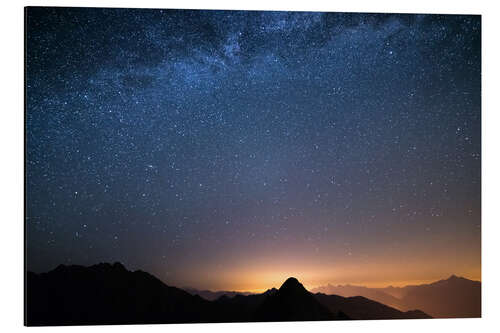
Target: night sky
232,149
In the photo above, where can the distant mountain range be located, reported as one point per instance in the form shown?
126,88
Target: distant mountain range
455,297
110,294
213,295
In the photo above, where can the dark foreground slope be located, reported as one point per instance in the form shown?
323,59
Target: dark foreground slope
370,293
110,294
359,307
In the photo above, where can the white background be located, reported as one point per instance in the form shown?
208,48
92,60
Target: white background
12,155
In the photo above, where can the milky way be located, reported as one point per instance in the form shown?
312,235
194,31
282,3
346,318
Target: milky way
228,149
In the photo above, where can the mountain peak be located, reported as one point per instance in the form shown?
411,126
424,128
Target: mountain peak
271,291
454,279
292,280
292,284
292,302
104,266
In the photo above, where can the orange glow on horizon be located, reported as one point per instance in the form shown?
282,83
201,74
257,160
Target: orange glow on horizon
361,284
373,263
257,280
368,285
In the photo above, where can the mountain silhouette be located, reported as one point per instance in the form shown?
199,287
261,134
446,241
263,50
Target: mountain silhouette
293,302
213,295
455,297
350,291
359,307
111,294
107,294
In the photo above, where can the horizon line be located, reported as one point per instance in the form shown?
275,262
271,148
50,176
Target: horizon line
370,286
399,284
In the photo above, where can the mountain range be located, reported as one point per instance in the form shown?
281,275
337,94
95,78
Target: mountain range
213,295
455,297
110,294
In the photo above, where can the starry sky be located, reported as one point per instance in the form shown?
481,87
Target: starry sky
232,149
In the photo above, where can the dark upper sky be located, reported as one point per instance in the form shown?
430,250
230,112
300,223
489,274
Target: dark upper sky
231,149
